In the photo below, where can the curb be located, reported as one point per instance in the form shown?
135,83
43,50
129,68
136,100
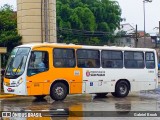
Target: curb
7,96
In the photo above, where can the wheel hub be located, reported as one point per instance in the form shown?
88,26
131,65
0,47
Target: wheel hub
123,89
59,91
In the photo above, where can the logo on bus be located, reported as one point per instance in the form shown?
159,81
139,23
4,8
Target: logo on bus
87,73
95,73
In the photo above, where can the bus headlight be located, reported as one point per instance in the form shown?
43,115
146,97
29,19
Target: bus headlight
7,84
19,82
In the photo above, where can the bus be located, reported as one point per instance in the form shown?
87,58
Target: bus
55,69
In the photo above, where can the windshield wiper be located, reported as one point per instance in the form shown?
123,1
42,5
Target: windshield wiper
19,66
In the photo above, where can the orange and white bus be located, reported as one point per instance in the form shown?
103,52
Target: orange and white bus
59,69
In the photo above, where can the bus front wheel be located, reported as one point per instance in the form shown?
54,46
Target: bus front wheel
58,91
121,90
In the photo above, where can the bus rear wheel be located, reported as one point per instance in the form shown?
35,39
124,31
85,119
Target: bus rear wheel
58,91
122,89
101,94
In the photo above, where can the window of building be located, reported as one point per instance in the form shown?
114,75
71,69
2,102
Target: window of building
88,58
39,62
133,59
112,59
64,58
150,60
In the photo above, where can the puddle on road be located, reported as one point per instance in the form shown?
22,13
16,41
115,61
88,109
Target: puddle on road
151,94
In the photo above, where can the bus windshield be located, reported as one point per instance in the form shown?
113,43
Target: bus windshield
17,62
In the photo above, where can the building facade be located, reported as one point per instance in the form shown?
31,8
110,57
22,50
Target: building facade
36,20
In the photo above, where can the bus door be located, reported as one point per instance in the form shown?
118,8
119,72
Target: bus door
151,65
38,78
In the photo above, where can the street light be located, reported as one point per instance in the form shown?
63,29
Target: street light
145,1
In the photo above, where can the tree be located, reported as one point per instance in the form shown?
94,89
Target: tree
8,29
87,20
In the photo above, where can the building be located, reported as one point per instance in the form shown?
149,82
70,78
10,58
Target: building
36,20
140,33
128,28
125,41
125,35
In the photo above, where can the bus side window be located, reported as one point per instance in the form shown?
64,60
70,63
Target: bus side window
38,63
64,58
90,64
112,59
88,58
131,64
150,60
134,59
109,64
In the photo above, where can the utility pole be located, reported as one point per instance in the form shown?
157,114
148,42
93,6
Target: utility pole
144,23
157,37
46,15
136,41
144,12
159,27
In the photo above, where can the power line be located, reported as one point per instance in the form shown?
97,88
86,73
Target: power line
84,32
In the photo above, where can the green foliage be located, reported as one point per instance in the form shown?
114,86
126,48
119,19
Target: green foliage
83,21
8,29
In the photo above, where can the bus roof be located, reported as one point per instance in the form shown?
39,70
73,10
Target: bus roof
36,45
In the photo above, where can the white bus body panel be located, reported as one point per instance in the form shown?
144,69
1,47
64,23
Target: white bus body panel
17,90
140,79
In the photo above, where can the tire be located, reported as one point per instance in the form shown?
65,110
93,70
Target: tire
122,89
40,97
58,91
101,94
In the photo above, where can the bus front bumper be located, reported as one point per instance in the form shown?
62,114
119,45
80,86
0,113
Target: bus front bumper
14,90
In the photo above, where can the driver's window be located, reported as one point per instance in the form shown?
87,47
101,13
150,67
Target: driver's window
38,63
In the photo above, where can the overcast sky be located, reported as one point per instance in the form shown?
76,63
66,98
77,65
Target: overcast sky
132,10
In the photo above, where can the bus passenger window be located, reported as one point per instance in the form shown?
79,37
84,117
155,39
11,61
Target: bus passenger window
87,58
112,59
90,64
38,63
150,60
133,59
64,58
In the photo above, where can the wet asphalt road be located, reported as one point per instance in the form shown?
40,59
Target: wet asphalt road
137,101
